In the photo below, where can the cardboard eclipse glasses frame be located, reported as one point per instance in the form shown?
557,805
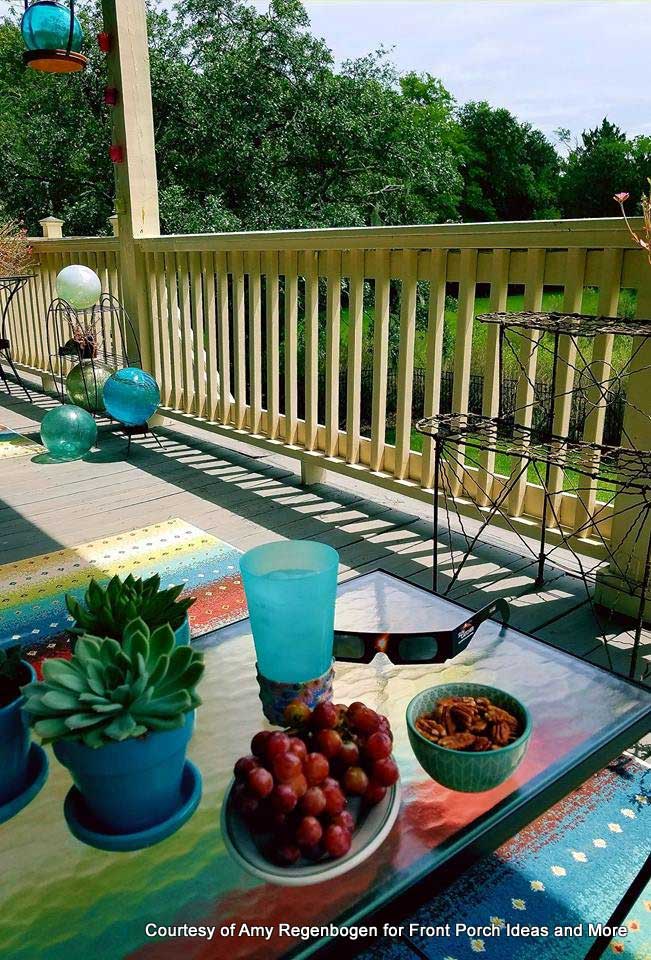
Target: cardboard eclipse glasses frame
430,646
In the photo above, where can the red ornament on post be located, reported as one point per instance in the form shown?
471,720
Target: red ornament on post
104,41
110,96
116,153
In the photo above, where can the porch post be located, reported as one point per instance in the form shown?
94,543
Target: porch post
629,539
136,183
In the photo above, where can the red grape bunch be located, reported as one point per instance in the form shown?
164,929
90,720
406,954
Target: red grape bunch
294,787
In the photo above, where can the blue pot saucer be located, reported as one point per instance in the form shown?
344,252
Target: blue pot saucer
84,827
37,767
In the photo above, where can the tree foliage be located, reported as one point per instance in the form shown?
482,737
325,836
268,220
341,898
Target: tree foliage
511,169
604,162
257,128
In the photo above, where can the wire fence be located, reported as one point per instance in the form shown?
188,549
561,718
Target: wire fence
613,421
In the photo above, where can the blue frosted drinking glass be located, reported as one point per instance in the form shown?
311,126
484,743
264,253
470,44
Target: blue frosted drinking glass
290,588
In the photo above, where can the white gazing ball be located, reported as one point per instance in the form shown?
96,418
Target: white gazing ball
79,286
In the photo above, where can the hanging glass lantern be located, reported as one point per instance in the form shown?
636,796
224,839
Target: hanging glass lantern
53,37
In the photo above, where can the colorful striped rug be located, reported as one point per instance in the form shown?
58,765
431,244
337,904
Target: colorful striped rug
12,444
32,592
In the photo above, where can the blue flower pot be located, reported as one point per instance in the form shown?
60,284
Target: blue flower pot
14,744
182,633
132,785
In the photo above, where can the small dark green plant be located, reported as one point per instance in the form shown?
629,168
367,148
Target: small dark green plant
109,609
12,674
110,692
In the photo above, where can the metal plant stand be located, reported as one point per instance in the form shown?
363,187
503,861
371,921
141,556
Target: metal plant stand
621,474
9,286
103,334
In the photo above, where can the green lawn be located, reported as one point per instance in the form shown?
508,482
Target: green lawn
552,300
503,465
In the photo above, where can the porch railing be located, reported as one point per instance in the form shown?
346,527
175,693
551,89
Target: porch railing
247,329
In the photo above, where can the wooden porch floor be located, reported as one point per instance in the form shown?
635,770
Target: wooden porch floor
247,497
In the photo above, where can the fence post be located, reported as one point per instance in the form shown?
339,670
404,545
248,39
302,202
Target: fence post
52,228
114,224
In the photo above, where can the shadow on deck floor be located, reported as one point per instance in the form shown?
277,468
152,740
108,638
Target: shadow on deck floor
248,498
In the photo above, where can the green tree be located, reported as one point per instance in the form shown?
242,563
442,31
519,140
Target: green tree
54,139
510,169
255,129
287,140
604,162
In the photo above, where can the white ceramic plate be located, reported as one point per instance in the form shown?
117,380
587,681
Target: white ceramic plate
371,830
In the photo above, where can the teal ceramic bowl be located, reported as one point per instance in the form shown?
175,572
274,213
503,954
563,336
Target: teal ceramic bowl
457,769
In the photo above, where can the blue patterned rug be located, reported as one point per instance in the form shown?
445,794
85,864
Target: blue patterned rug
568,869
637,945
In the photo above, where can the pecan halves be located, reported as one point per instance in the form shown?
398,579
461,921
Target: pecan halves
464,715
458,741
430,728
469,723
502,733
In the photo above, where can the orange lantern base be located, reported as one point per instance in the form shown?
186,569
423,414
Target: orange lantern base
55,61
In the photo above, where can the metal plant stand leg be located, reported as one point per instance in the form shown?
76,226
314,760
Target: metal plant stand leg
437,477
18,378
640,612
10,285
540,577
141,430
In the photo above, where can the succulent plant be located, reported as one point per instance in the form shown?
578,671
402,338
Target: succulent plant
111,692
12,673
109,609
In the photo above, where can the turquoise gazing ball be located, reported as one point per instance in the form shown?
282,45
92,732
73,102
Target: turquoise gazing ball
68,432
131,396
46,26
85,384
79,286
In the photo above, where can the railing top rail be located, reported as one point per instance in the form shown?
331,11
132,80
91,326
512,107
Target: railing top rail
561,234
69,244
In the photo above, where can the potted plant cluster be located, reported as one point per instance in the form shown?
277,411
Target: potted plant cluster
14,728
120,715
106,611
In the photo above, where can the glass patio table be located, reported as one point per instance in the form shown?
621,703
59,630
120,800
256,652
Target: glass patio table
61,900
